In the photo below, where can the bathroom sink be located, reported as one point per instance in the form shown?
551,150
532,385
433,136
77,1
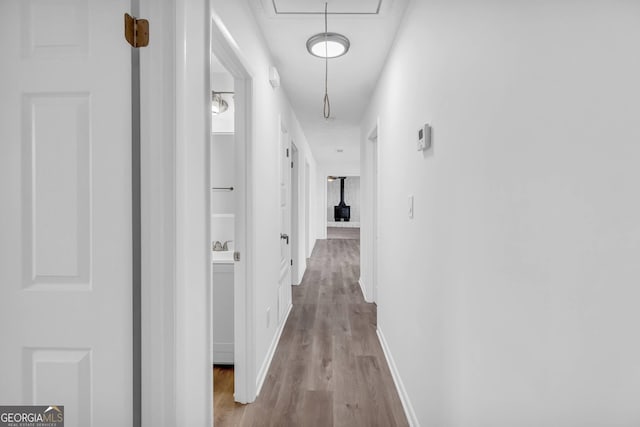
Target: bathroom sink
221,257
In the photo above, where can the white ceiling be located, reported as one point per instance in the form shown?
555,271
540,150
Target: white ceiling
352,77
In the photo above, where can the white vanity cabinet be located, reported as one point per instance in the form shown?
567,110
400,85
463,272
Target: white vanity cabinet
222,292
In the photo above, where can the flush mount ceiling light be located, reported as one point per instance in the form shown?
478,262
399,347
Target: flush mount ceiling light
327,45
218,104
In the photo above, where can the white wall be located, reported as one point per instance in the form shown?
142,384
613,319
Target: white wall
330,139
511,299
222,174
269,104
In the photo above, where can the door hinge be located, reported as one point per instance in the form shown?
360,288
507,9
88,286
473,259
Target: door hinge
287,152
136,31
291,262
236,256
291,165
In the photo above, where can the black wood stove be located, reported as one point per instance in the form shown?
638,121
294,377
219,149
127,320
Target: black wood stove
342,212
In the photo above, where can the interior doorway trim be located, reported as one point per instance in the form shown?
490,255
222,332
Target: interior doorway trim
296,237
372,167
307,210
325,192
226,51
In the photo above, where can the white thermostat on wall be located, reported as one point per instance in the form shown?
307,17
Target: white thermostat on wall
424,137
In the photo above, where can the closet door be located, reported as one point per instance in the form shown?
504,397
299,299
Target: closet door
65,186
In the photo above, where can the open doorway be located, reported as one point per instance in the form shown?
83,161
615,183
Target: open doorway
343,207
231,334
223,209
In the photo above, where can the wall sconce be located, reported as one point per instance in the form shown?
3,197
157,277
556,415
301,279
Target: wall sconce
218,104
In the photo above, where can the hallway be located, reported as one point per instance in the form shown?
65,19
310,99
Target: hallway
329,369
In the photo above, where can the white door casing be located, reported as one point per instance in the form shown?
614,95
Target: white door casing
227,52
284,284
373,174
294,236
65,183
307,210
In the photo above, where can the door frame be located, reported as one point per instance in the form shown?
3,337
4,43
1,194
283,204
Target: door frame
177,381
191,294
159,120
325,180
307,211
372,167
177,376
296,240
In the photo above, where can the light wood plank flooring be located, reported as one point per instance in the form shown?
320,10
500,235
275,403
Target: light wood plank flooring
329,369
343,233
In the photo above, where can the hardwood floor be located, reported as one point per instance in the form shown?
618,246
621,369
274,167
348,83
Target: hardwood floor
226,412
329,369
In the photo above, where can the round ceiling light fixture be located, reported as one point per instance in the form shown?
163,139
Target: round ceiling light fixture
328,45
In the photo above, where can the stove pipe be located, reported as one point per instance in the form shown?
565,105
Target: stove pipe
342,212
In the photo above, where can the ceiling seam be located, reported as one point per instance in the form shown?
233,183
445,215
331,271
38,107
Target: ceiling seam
275,9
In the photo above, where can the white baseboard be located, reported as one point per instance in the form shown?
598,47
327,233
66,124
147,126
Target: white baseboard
301,271
340,224
262,375
402,392
363,289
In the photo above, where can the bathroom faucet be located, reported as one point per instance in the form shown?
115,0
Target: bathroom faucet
219,246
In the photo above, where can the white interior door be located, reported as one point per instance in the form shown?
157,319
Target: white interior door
65,187
284,285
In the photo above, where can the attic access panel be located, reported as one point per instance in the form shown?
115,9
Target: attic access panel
313,7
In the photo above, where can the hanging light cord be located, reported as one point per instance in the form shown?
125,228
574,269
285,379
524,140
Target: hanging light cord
327,105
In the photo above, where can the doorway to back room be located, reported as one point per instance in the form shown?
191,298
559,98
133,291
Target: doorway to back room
223,209
343,207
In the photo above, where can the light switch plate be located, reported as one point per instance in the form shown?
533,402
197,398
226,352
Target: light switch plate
424,138
410,211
